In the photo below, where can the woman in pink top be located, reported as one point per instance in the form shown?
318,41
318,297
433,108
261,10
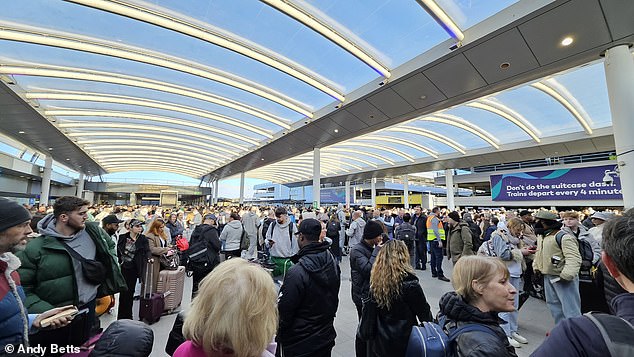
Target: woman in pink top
233,315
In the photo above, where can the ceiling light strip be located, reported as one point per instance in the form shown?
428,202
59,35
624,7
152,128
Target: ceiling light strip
171,131
149,103
371,146
441,17
180,23
429,134
133,144
124,134
140,82
326,30
75,112
464,125
561,95
508,114
39,36
400,141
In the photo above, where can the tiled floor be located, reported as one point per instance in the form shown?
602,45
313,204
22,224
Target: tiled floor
535,319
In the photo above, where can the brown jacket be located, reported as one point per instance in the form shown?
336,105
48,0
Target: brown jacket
157,250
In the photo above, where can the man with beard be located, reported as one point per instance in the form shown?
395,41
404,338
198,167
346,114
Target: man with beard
110,224
15,322
71,263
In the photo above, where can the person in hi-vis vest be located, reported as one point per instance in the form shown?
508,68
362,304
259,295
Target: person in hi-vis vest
436,240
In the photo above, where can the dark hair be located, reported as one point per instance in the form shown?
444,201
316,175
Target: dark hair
435,209
618,242
495,221
407,217
68,204
235,216
280,211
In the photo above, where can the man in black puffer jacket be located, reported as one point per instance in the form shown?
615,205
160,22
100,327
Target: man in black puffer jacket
309,297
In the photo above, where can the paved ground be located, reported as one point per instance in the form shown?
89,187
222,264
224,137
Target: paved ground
534,319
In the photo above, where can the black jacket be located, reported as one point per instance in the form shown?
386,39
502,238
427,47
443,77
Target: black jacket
125,338
394,325
474,343
141,255
308,302
362,257
420,222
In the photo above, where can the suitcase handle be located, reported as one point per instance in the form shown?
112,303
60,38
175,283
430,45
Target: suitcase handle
149,272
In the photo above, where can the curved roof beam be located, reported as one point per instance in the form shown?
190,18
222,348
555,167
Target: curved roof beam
429,134
190,27
338,161
125,134
355,159
140,155
399,141
155,119
150,103
441,17
284,170
308,168
40,36
286,177
508,114
140,82
565,98
327,28
127,150
464,125
101,125
359,152
365,145
152,167
191,166
106,144
326,165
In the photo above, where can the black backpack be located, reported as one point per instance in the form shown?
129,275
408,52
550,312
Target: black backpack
333,229
198,255
407,233
586,271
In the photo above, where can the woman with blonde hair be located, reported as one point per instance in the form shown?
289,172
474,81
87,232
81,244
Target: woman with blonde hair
399,297
482,290
159,245
234,314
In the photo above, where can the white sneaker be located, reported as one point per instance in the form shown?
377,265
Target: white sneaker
514,343
519,338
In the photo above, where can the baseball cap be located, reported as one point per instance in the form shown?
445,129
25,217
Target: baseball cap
310,226
604,216
111,218
210,216
544,214
135,222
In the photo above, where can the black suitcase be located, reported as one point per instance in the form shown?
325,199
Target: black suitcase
151,305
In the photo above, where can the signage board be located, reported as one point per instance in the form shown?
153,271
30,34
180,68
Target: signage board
586,183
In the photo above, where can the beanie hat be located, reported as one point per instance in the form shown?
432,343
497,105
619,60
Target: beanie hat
12,214
372,230
455,216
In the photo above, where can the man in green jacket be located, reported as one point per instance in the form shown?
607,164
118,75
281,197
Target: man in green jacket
54,269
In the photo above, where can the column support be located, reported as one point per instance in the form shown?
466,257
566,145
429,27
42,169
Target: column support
316,178
347,194
241,188
216,186
406,191
450,189
373,191
46,180
619,75
80,185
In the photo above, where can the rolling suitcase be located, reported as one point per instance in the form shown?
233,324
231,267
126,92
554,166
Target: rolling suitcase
151,305
171,284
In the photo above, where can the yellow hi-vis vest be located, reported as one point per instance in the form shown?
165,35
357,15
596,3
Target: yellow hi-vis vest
431,236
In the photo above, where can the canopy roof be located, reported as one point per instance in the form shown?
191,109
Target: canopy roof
212,88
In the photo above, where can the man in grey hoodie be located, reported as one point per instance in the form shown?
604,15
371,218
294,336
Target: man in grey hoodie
251,222
280,239
355,232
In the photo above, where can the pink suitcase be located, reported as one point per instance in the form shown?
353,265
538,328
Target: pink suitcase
171,284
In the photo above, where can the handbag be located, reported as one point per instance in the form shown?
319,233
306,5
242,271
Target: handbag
367,326
169,262
181,243
244,239
94,271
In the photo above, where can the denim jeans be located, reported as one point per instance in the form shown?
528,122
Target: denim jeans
562,298
436,259
511,317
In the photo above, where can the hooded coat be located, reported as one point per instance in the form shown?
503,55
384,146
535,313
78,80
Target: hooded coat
231,234
14,319
460,242
456,313
308,302
125,338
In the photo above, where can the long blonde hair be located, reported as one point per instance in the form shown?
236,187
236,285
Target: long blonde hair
475,268
236,308
391,266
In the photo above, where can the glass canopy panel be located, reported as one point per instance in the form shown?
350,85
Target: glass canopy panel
467,140
547,115
467,13
587,84
502,129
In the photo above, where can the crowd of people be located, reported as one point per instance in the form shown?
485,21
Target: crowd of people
72,254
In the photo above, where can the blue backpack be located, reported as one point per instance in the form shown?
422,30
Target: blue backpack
430,340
